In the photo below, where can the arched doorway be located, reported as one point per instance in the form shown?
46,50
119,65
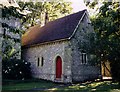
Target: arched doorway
58,67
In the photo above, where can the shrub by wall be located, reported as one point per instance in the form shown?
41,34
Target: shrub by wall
115,70
16,69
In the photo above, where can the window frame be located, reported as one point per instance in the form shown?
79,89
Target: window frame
83,58
40,62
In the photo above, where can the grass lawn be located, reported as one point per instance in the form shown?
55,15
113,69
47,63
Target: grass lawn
46,86
9,85
106,86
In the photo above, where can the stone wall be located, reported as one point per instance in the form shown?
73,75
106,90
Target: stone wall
49,52
80,71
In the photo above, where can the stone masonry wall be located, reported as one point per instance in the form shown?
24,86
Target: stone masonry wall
80,71
49,52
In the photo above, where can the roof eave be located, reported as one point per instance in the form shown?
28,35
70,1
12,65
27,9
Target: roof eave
43,43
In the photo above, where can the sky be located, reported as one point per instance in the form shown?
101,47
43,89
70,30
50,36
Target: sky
77,5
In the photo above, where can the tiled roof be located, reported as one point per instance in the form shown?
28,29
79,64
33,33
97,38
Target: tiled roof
61,28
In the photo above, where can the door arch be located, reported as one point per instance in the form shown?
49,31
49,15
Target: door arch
58,67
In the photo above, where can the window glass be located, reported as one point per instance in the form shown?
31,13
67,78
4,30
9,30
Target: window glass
83,58
42,61
38,62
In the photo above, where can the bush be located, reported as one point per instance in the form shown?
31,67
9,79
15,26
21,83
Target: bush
16,69
115,70
115,64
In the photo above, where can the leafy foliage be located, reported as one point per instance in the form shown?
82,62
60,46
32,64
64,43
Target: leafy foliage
10,11
16,69
107,44
11,33
39,9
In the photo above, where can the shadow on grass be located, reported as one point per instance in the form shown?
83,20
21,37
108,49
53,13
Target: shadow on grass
106,86
47,86
24,85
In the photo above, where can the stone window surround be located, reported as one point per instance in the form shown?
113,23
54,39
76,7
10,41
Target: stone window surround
83,58
40,62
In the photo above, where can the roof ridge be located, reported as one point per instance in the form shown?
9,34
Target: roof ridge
67,16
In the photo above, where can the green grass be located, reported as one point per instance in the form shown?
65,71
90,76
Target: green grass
40,85
26,85
106,86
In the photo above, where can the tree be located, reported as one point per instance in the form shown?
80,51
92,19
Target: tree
107,44
11,33
12,66
39,9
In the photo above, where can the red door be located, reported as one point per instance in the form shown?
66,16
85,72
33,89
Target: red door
58,67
